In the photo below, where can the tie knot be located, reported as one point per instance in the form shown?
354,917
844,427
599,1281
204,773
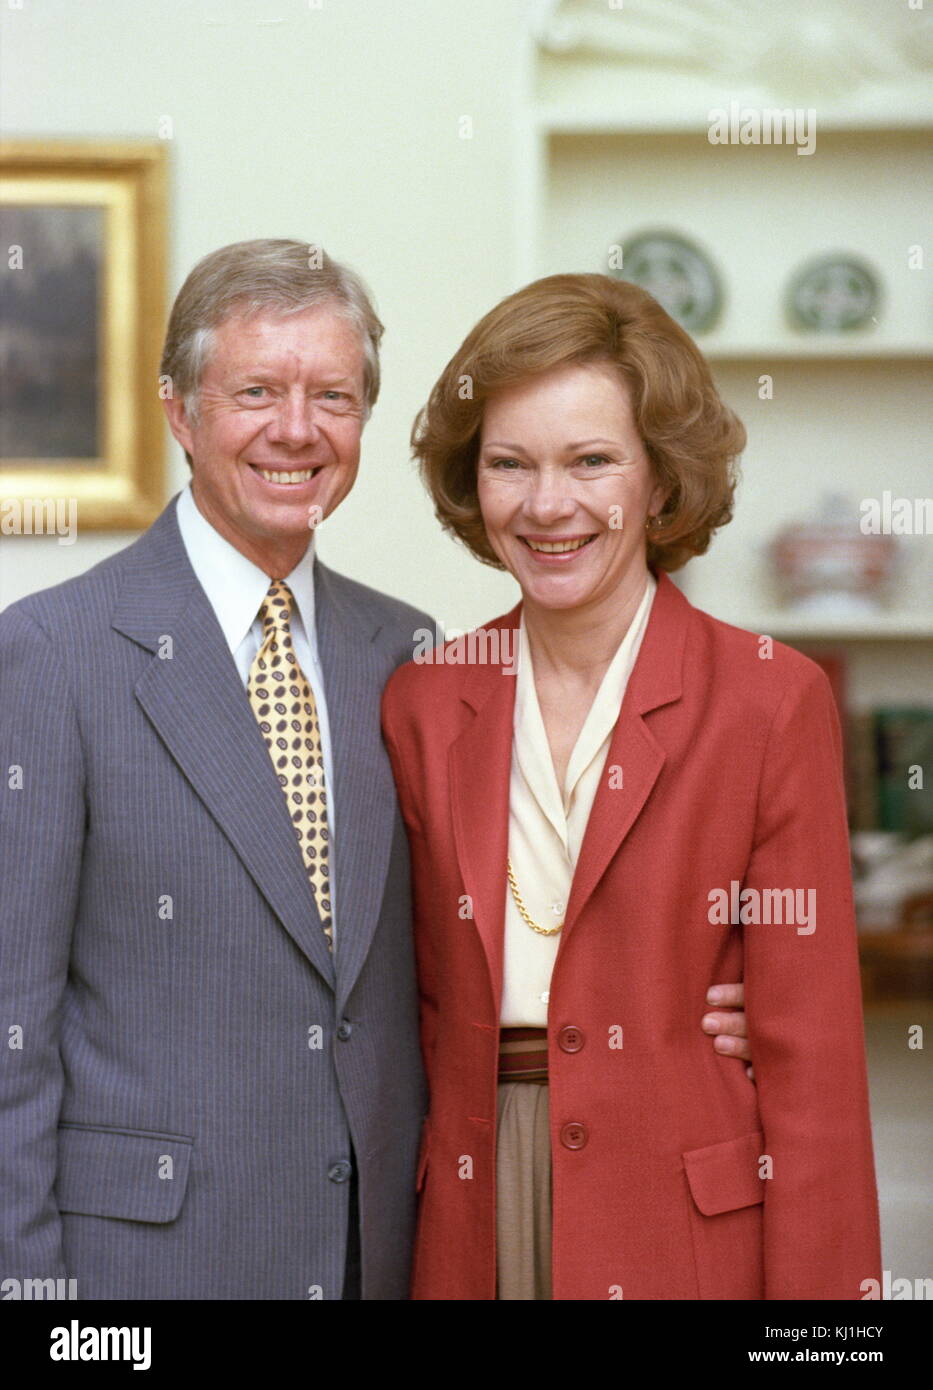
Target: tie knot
277,605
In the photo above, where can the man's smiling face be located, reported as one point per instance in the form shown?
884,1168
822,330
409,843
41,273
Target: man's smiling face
275,436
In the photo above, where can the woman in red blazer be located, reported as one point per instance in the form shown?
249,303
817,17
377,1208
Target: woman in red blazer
614,795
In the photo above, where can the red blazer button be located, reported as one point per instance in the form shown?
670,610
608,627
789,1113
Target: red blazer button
571,1039
573,1135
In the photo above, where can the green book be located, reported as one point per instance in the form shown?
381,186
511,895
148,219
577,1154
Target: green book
904,741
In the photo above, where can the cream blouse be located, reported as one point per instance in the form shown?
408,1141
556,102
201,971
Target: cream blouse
546,827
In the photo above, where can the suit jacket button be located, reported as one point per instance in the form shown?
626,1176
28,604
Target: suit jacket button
340,1171
571,1039
344,1029
574,1135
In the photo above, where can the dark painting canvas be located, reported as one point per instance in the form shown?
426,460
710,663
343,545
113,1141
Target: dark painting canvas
49,339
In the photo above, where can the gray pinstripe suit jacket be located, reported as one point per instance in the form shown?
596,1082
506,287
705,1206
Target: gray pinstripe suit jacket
169,1127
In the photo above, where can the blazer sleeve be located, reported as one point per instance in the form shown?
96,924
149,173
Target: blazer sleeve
804,1008
42,820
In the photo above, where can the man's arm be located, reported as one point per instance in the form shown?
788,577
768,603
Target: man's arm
42,820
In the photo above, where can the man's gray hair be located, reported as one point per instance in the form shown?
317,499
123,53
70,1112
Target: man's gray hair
246,277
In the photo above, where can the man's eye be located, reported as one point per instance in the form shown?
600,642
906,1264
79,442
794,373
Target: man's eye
254,391
335,395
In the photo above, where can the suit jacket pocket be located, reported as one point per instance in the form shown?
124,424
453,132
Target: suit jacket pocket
132,1174
725,1217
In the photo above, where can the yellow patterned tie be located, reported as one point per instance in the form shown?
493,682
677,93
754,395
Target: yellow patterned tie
284,705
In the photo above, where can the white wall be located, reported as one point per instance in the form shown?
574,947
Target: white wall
336,125
340,124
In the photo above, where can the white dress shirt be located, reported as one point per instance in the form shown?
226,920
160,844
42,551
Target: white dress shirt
235,589
547,824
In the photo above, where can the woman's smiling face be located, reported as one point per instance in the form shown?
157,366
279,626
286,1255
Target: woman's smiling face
565,485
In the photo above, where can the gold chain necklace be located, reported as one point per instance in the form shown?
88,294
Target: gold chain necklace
523,911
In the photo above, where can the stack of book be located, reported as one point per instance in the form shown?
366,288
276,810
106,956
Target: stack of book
889,759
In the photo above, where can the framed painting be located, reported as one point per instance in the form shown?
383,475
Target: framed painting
82,313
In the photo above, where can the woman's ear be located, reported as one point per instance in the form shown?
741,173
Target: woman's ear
658,500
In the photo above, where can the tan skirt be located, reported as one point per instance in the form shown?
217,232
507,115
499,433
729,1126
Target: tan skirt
523,1192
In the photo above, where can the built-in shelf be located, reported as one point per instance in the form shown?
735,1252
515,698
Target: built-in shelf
692,120
804,349
612,138
805,627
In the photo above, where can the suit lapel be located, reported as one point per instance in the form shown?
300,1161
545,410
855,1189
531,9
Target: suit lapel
364,792
192,695
656,680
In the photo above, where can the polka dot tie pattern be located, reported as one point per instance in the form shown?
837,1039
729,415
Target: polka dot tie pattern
286,711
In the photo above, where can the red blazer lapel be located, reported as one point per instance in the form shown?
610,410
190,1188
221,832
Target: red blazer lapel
635,757
480,762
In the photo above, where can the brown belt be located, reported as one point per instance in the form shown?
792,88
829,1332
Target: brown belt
523,1055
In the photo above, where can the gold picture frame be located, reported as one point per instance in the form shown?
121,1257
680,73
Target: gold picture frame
82,330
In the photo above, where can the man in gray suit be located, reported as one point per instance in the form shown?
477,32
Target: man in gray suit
206,973
211,1086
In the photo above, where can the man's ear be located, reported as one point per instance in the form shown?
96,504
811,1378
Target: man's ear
178,421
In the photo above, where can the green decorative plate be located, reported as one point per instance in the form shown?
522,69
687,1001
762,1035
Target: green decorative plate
681,277
833,294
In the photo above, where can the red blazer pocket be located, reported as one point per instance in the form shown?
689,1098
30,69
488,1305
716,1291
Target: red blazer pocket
724,1177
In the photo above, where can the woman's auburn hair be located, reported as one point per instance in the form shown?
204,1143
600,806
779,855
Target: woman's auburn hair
691,437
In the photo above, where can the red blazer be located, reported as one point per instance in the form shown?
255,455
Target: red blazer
731,775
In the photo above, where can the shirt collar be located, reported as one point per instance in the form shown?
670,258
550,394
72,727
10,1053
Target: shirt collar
531,745
234,586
